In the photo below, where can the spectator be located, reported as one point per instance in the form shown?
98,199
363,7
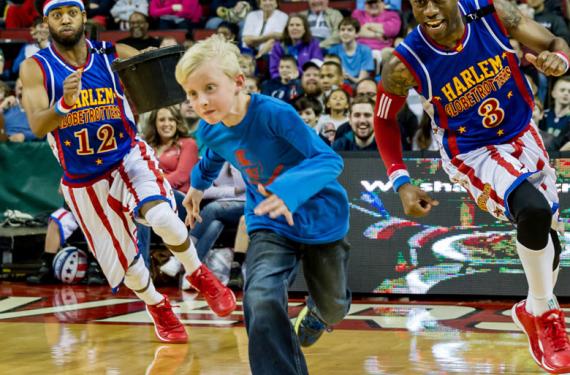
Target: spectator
311,81
336,107
356,58
228,30
168,41
310,109
233,11
167,134
123,9
366,87
378,26
252,85
40,35
553,22
98,11
424,139
263,27
138,29
298,42
20,15
4,90
361,121
176,14
13,119
247,64
323,22
557,120
331,78
287,85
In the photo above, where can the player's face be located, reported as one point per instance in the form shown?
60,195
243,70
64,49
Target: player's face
66,25
438,18
212,93
361,120
310,81
165,125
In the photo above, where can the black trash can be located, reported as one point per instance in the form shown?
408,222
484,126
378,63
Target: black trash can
149,78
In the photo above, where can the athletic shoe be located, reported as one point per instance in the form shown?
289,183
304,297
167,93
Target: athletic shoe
43,276
526,322
236,277
166,325
553,340
221,299
308,327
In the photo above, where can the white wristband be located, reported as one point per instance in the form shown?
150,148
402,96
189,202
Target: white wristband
61,108
564,58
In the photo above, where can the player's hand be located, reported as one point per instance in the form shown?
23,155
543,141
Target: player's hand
416,202
191,203
548,63
72,87
273,205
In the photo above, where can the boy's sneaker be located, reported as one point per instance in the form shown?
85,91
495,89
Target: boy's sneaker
552,338
308,327
221,299
166,325
526,322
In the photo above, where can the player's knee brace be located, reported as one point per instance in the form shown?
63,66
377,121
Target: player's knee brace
532,214
166,224
137,277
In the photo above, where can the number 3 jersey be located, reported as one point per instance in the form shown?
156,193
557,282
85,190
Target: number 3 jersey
99,131
479,95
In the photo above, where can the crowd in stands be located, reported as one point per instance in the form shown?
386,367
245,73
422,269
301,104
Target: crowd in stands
324,57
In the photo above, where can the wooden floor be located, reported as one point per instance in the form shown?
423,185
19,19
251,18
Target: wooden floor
80,330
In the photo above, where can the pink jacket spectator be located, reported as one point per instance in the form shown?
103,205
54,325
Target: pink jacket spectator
391,21
177,163
191,9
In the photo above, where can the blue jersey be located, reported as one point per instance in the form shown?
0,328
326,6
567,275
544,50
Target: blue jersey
99,131
479,94
272,146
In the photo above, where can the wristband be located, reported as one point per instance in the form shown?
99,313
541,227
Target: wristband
563,56
61,108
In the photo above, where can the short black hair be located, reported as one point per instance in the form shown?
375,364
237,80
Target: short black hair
305,102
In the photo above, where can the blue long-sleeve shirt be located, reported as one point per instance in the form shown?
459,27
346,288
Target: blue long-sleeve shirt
272,146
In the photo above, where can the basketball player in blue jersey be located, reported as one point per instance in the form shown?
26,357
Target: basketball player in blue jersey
459,58
110,176
295,208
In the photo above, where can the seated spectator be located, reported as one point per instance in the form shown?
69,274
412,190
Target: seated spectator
176,14
252,85
310,109
331,77
263,27
361,121
98,12
323,22
228,30
40,35
247,64
550,20
233,11
557,119
298,42
191,120
332,58
378,26
287,85
337,104
122,10
20,14
13,119
356,58
138,28
310,81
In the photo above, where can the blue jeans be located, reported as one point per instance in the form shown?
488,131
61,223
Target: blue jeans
270,262
215,216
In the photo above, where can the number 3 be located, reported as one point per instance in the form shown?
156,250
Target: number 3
491,112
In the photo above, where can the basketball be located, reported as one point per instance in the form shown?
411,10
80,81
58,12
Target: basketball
70,265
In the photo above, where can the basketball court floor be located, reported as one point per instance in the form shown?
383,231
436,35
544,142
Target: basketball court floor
88,330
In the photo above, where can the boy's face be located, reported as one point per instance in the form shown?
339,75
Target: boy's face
308,115
338,101
561,93
329,77
288,70
246,65
347,33
251,85
212,93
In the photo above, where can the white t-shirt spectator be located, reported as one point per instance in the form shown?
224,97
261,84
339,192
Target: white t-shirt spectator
254,25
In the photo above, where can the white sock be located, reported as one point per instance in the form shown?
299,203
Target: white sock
188,258
555,276
137,279
537,266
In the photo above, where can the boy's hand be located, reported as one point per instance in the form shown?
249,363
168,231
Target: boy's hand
273,205
191,203
416,202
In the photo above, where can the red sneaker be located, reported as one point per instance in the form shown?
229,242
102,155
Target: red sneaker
221,299
166,325
526,322
552,338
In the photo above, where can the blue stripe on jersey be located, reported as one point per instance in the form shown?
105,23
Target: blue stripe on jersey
479,93
99,131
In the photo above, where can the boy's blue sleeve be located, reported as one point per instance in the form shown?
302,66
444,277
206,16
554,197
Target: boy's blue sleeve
206,170
368,63
320,167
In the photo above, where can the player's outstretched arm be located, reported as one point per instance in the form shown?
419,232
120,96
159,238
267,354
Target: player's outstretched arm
397,80
551,51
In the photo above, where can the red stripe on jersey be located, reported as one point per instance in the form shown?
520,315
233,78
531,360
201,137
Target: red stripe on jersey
410,68
59,149
496,156
43,74
519,80
451,138
81,221
120,211
127,181
538,140
498,21
540,164
475,181
101,214
151,165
